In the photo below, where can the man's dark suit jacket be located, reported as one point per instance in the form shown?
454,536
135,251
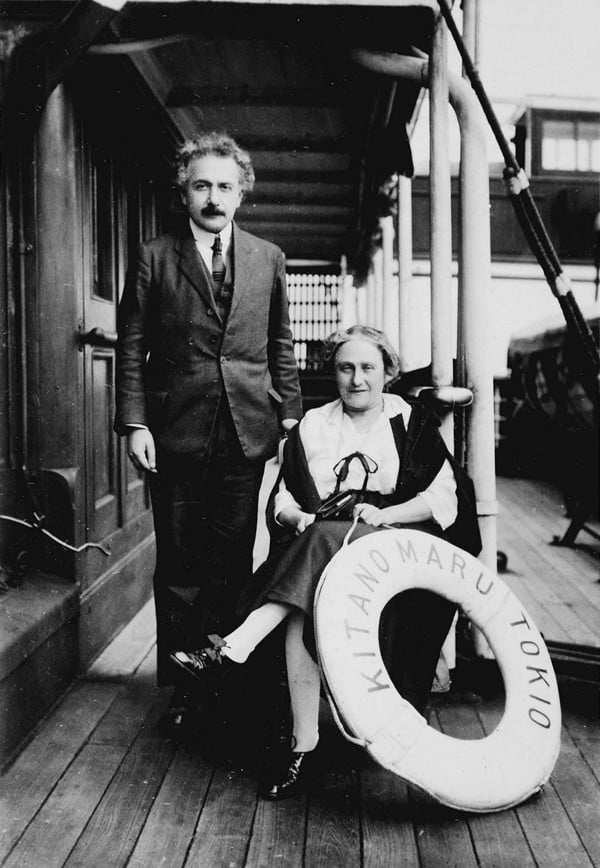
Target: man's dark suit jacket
176,355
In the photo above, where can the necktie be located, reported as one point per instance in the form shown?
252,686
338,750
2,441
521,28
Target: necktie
218,263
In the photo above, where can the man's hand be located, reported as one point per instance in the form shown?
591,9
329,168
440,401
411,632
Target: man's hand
141,449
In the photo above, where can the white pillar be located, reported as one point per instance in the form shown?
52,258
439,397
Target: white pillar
476,279
389,298
371,297
405,266
378,300
442,337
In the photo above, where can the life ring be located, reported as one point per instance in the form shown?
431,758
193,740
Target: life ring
487,774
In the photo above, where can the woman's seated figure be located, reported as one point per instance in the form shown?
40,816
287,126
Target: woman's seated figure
391,456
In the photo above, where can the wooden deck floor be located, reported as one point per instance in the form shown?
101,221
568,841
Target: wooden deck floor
99,786
559,586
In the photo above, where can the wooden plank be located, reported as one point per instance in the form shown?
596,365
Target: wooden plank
585,733
54,831
386,815
459,721
543,503
573,573
115,825
125,653
499,841
547,622
170,824
442,834
498,838
333,833
548,828
549,558
563,570
131,708
542,506
579,792
36,770
278,835
225,823
547,586
550,833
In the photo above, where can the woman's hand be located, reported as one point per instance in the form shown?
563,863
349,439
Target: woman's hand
370,514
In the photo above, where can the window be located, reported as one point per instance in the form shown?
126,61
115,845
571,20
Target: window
102,227
570,145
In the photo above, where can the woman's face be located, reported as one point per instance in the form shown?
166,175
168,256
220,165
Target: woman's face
360,375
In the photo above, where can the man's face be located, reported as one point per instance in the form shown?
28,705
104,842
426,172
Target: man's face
212,192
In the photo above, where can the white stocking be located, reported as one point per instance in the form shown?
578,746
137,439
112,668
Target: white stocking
244,639
305,682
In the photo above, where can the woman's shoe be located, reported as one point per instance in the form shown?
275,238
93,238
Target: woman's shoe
198,663
290,781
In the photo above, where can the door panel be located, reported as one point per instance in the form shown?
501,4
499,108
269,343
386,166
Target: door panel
116,495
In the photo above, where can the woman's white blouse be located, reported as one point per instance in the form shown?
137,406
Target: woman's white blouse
328,434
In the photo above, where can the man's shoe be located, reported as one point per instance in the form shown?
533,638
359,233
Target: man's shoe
198,663
181,716
291,781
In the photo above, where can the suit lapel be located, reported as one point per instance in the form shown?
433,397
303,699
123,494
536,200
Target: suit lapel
191,266
244,264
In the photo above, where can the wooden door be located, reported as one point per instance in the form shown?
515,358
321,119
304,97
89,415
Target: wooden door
116,495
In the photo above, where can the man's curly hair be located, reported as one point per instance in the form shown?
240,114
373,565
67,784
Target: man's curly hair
216,144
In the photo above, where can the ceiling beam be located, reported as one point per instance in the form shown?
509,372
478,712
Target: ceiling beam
295,228
302,176
306,145
246,95
43,61
290,211
302,193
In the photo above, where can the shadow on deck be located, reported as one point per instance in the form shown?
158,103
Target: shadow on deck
98,784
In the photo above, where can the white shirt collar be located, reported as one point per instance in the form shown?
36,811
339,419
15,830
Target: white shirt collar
205,240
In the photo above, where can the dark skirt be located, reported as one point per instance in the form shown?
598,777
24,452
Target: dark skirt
413,625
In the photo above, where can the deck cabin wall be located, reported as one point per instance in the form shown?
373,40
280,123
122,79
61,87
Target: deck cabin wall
56,391
520,294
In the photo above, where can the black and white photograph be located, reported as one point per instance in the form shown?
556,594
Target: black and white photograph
299,434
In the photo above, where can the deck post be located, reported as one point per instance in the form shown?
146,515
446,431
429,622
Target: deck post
440,204
377,320
371,296
476,278
389,299
405,265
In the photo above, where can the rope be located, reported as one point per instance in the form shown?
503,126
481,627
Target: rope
60,542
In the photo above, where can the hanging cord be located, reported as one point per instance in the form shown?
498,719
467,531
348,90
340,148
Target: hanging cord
36,525
527,212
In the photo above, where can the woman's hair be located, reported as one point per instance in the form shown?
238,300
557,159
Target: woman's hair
218,145
391,361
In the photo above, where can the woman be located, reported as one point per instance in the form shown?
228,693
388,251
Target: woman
392,460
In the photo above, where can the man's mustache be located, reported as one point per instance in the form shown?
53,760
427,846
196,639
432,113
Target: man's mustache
211,211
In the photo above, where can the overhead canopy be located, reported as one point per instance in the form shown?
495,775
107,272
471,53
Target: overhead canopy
323,133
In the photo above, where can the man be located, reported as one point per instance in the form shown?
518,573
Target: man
206,383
